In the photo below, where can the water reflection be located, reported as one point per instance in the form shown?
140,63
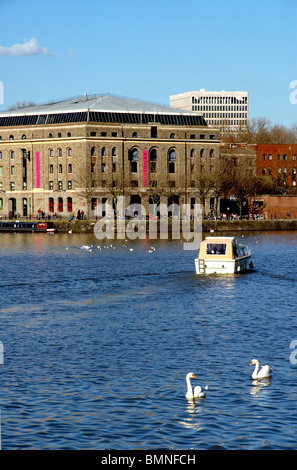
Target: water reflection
258,384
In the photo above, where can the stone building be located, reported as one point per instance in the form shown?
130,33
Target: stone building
79,154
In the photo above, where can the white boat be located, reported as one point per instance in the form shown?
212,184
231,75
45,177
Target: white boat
222,255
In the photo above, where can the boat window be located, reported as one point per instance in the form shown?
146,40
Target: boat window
216,248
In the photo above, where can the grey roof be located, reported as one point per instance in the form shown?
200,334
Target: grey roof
106,102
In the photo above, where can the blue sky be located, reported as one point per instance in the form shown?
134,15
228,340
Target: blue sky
150,49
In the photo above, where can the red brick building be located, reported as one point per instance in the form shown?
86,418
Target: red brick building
277,161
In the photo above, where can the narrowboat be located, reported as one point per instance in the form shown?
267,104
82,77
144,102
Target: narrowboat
17,226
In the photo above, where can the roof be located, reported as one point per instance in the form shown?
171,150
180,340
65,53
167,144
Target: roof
101,103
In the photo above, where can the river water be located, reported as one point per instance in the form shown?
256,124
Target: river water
97,345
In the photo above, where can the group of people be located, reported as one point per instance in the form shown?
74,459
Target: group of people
80,216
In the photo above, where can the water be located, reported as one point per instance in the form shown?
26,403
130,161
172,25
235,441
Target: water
97,346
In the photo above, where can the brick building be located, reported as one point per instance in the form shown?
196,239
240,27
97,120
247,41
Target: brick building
72,155
279,162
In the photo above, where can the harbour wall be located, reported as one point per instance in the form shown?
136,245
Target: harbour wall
84,226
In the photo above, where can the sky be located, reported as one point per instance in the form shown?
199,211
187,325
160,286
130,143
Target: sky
151,49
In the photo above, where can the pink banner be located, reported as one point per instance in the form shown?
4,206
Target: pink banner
145,168
37,169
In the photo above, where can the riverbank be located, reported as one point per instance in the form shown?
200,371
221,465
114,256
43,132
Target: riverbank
84,226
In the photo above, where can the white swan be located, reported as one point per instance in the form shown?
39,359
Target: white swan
198,392
264,372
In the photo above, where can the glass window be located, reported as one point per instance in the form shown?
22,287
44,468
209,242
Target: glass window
215,248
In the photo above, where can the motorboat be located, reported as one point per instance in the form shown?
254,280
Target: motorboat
223,255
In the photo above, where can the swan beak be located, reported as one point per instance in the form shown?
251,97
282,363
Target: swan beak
194,376
251,364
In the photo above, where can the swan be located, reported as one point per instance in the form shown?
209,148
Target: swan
198,392
264,372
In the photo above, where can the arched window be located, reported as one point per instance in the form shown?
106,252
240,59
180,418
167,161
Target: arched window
68,134
11,137
24,136
134,134
172,135
264,171
211,153
69,152
103,152
171,161
60,152
51,204
153,160
114,152
1,204
192,153
133,157
69,204
171,155
201,153
60,204
93,151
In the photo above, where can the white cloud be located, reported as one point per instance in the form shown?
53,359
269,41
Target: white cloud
30,47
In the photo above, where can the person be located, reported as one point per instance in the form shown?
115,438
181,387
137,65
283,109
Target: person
78,215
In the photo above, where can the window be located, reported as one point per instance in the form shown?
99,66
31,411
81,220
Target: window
51,153
93,152
103,167
269,157
11,137
285,157
12,170
192,153
134,134
69,168
172,135
68,134
201,153
51,168
133,167
60,152
114,152
93,134
264,171
1,155
103,152
154,132
69,152
60,204
69,204
1,204
51,185
60,184
211,153
24,136
60,168
51,204
264,156
12,186
0,170
293,157
215,248
12,154
69,184
171,161
114,167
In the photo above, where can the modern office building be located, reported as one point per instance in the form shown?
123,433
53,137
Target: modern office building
77,154
227,110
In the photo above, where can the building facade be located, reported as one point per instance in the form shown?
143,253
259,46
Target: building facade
278,162
81,153
227,110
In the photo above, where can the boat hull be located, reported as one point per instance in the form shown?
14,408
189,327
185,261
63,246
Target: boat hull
220,266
